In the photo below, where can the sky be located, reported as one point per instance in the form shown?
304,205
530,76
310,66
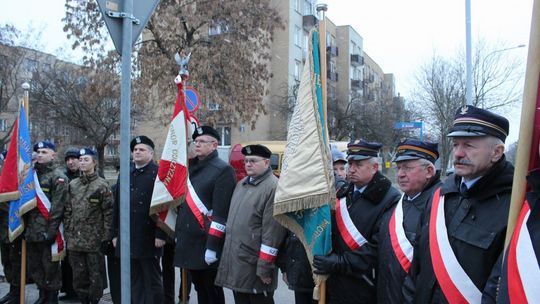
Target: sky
399,35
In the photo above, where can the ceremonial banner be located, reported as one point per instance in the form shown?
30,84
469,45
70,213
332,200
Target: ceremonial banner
9,181
171,183
305,190
26,188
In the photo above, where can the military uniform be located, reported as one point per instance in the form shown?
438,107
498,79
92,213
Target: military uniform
11,259
41,233
88,221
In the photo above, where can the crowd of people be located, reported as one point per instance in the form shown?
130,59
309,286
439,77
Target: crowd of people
422,240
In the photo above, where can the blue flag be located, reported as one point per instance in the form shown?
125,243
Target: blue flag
27,197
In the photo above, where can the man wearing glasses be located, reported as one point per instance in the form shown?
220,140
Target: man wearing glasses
253,236
201,221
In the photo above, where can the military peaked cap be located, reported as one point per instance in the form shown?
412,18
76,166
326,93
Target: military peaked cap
471,121
409,149
360,149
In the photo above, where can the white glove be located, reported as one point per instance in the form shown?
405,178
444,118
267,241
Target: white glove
210,256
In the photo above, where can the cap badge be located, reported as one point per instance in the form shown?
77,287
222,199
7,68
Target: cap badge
199,131
464,110
138,140
82,152
248,150
41,145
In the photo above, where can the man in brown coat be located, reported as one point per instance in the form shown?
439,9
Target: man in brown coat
252,236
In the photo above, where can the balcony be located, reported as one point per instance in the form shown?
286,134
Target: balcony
332,50
370,79
309,21
357,60
332,76
356,83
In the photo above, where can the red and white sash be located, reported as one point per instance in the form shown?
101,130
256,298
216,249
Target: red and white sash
454,281
523,269
352,237
44,206
195,204
400,243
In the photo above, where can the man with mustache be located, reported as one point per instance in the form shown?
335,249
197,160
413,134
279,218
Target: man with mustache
463,231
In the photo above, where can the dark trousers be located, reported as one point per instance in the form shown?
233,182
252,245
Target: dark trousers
45,273
67,276
113,269
207,292
11,261
167,264
301,297
146,281
88,267
252,298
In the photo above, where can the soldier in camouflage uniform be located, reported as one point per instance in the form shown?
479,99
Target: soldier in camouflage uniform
11,258
40,232
88,220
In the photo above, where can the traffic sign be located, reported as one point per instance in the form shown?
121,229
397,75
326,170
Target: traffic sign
192,99
408,125
113,13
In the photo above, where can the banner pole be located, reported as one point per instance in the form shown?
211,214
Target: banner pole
25,87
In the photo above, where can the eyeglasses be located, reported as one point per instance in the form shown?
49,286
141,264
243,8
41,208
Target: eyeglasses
200,142
408,169
252,160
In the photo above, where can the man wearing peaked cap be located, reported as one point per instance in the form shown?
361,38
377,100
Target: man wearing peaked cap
471,211
200,224
359,209
417,179
42,228
252,275
147,240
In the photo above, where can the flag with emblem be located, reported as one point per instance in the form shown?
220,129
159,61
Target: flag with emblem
305,190
171,183
9,181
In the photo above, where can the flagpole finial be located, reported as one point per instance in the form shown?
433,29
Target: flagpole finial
25,86
183,61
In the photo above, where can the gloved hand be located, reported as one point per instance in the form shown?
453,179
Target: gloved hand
210,256
325,264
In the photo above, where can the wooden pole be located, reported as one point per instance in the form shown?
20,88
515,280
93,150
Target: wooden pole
184,286
528,111
322,56
25,86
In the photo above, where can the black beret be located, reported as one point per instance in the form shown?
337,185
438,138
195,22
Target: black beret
44,145
471,121
258,150
88,151
72,152
409,149
206,130
141,139
360,149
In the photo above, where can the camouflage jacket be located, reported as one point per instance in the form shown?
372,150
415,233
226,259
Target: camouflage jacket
54,184
89,212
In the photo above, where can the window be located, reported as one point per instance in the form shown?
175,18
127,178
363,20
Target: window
297,68
225,133
308,7
30,65
298,36
112,150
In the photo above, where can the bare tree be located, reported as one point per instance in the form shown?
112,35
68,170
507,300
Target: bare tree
81,98
229,42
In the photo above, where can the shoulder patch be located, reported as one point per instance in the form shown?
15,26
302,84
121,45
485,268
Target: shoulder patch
60,180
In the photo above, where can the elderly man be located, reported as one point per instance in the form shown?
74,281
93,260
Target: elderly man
146,239
359,209
42,224
201,221
466,223
252,274
417,178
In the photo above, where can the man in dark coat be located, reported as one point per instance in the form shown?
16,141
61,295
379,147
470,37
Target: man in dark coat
201,221
147,239
417,178
463,230
360,207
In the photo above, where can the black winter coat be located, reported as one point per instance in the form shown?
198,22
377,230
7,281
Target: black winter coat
143,229
293,261
351,285
476,223
214,181
389,271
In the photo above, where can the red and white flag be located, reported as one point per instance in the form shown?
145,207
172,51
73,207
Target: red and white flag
171,182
